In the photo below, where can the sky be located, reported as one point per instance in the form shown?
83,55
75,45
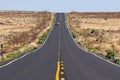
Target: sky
61,5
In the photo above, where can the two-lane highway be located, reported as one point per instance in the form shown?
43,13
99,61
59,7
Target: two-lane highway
42,64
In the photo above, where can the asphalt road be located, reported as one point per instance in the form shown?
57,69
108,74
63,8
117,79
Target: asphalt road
42,64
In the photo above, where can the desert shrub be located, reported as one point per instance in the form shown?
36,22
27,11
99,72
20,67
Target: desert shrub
105,18
117,61
79,43
74,35
101,38
30,49
43,38
98,48
91,49
93,31
110,55
13,54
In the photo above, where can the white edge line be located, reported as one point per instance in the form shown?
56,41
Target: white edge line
33,50
87,51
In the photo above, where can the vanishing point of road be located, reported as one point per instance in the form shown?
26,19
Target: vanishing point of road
60,59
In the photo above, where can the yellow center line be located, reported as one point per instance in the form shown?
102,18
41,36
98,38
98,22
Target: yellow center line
62,78
59,62
58,70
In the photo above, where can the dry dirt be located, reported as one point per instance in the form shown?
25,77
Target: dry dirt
97,32
21,28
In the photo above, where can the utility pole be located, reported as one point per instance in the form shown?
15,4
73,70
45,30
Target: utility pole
1,52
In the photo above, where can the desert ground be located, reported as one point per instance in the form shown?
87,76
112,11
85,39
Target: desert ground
21,29
97,32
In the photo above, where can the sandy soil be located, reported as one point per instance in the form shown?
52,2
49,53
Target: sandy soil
20,28
97,32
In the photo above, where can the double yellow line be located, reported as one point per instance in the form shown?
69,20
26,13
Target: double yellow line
57,77
58,67
59,63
